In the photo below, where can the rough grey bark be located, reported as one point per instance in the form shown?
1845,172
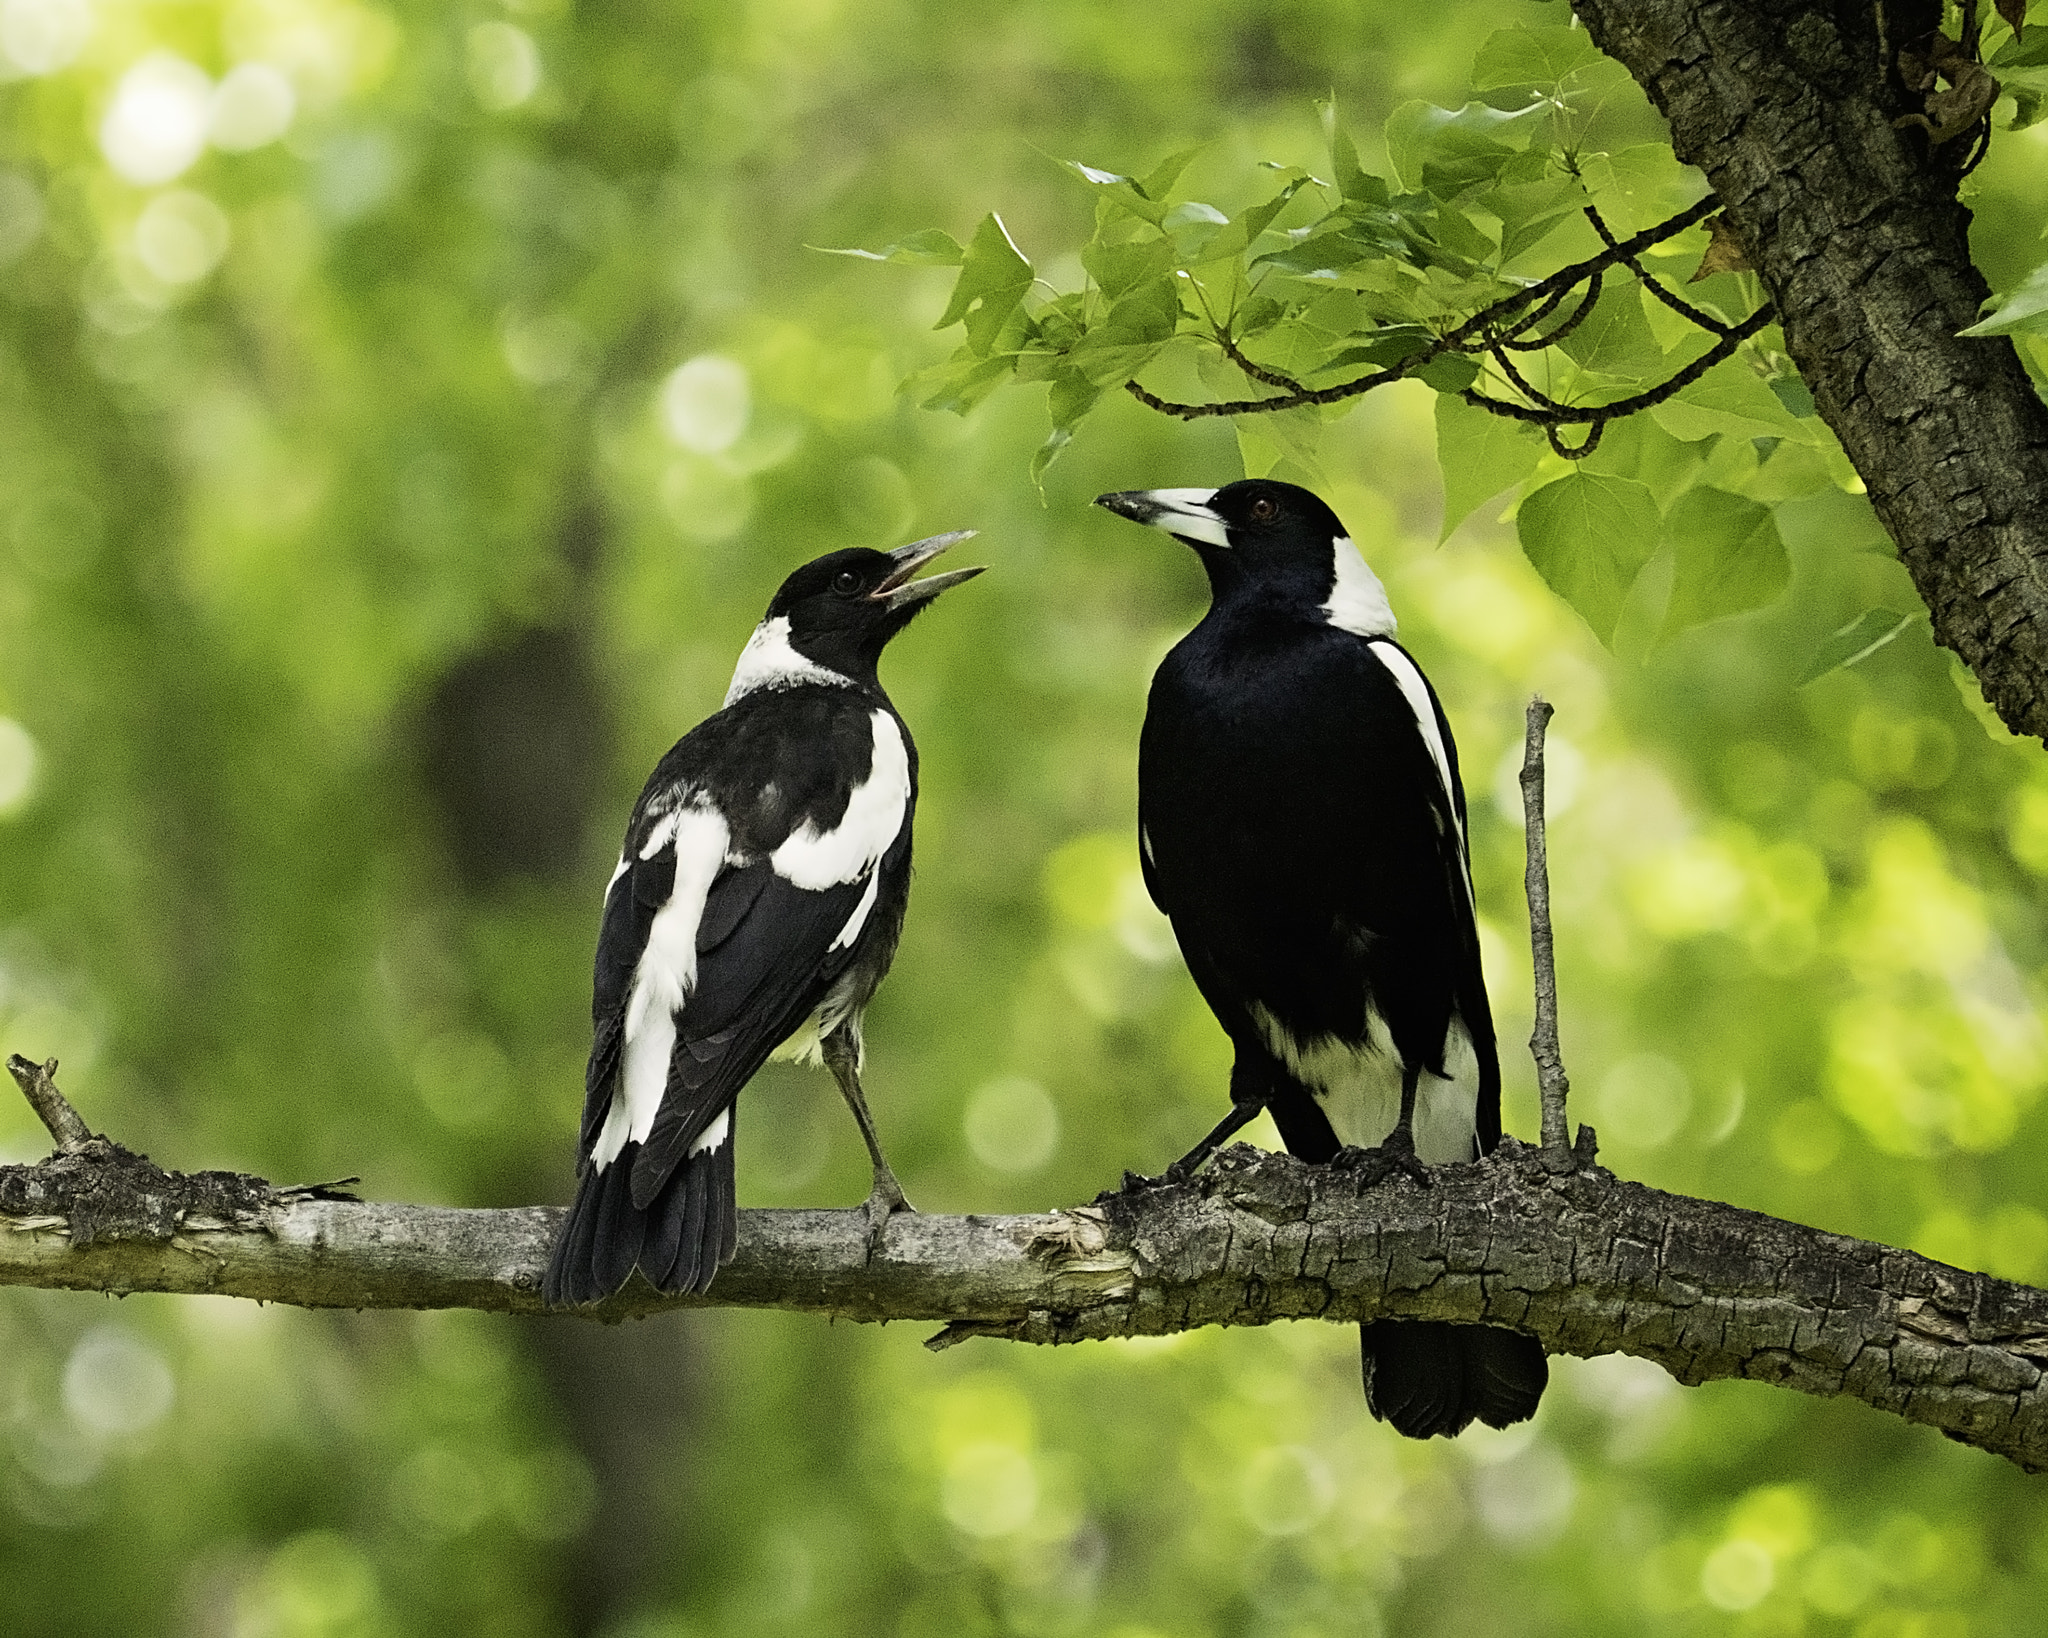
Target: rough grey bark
1855,229
1549,1244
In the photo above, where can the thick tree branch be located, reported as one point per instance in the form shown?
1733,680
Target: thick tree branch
1588,1264
1856,231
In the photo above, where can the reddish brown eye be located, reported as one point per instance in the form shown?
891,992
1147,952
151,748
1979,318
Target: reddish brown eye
1265,509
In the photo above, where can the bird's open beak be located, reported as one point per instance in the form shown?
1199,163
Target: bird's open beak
1184,513
899,591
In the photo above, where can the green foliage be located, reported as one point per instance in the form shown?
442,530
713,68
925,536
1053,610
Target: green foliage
1589,536
351,582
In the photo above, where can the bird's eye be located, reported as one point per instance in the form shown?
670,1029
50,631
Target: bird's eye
846,582
1265,509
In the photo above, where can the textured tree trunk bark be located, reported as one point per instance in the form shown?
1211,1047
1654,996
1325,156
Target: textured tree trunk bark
1528,1239
1855,229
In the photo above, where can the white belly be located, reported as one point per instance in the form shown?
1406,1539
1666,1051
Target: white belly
1359,1090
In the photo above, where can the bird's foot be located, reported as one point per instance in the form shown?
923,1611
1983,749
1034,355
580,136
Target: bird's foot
1138,1183
1395,1157
884,1201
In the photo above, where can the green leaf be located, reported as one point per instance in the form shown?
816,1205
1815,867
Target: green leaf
1794,394
1159,181
1352,180
1857,641
1243,233
1615,338
1118,269
1589,537
1732,399
1640,186
1727,555
1449,372
1480,454
2028,50
1125,193
960,383
1264,441
930,247
993,278
1446,150
1531,56
2025,310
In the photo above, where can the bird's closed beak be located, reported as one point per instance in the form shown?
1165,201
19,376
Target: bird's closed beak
899,591
1183,513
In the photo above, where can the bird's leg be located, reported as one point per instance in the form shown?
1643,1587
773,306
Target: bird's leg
1395,1153
1247,1103
842,1056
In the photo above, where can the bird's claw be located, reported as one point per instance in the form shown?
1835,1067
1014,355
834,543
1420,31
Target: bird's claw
884,1201
1395,1157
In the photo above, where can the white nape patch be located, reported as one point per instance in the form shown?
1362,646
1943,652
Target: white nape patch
768,661
874,815
714,1134
1359,1088
859,918
1358,602
1185,512
1416,692
664,977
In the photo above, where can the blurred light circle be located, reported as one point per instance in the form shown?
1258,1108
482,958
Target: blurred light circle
504,65
990,1490
706,403
316,1582
706,504
1287,1490
181,236
1526,1500
1738,1575
41,36
1012,1125
253,106
1644,1101
21,215
544,348
115,1383
441,1491
17,765
156,125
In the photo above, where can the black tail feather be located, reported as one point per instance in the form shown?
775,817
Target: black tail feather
1425,1377
679,1242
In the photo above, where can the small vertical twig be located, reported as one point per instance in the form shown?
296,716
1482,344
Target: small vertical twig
1551,1082
38,1083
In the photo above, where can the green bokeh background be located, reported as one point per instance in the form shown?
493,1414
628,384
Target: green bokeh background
360,549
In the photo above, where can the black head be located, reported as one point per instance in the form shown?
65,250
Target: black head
842,609
1274,540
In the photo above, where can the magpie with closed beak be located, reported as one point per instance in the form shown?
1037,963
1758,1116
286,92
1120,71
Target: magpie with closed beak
1302,824
755,908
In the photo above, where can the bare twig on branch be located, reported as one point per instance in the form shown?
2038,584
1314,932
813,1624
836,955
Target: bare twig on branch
1588,1264
38,1083
1552,1083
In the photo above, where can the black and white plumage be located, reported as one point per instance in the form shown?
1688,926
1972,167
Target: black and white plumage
755,908
1302,824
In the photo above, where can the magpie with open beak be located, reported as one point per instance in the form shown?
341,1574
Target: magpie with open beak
1302,824
755,908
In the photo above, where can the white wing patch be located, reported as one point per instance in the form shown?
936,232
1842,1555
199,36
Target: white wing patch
769,661
1358,602
815,859
859,918
1413,689
713,1135
664,977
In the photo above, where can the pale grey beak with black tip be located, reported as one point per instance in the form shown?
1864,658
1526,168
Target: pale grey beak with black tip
899,591
1183,513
